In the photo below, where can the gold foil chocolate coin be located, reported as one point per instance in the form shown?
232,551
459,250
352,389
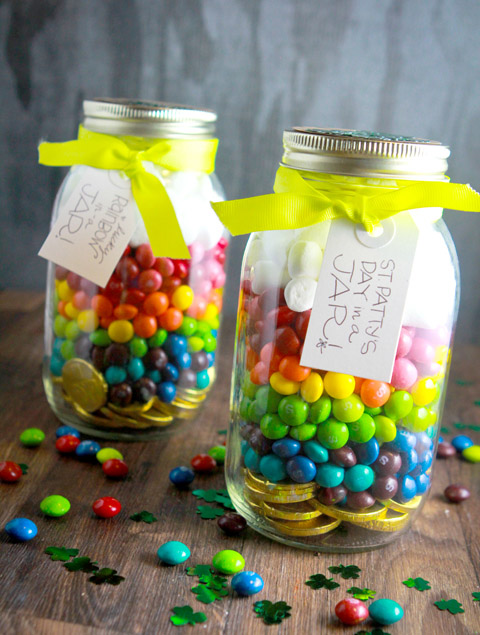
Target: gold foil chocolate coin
84,384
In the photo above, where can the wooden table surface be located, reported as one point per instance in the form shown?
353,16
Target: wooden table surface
39,595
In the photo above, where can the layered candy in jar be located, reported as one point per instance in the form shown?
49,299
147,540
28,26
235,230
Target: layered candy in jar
137,355
330,460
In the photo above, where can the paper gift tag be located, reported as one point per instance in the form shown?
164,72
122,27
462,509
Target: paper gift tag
358,307
94,225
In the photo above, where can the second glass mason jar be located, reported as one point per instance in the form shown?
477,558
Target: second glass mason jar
133,359
324,459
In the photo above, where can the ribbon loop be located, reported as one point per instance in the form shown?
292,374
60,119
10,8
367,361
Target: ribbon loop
108,152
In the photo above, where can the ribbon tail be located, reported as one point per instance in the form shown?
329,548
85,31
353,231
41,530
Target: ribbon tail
159,216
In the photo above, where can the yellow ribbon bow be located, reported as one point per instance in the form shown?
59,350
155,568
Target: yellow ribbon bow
297,204
112,153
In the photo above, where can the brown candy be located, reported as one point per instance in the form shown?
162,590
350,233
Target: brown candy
388,463
232,524
331,495
385,487
456,493
121,394
345,457
360,500
144,389
156,359
445,450
117,355
260,443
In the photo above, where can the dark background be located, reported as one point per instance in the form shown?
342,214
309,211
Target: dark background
399,66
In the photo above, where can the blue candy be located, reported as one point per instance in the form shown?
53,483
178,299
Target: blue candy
252,460
315,451
115,375
247,583
170,373
409,461
367,453
183,360
181,476
211,359
173,552
407,489
175,345
403,441
21,529
423,483
57,346
135,368
203,379
329,475
166,391
273,468
286,448
461,442
56,365
301,469
87,450
63,430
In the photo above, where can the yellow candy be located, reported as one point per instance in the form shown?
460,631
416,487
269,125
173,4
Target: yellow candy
71,311
339,385
441,354
282,385
472,454
64,291
311,388
108,453
57,282
120,331
87,321
385,429
210,312
424,391
182,297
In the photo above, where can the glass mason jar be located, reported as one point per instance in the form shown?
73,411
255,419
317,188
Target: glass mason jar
134,358
324,459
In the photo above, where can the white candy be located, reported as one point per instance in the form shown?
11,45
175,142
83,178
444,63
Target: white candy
299,293
266,273
276,245
304,259
254,252
317,233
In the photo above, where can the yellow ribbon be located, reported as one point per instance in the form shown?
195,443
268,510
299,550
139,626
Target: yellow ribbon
128,154
297,203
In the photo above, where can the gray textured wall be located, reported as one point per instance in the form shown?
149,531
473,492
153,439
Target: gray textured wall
405,66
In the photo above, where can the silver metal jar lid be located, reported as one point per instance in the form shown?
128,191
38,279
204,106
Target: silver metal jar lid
148,118
363,153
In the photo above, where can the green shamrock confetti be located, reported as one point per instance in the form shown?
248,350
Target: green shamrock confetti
223,500
61,553
474,428
460,426
208,495
23,467
362,594
208,593
272,612
185,615
203,571
319,581
376,631
476,597
351,571
222,431
106,576
477,402
144,516
81,564
462,382
418,583
207,513
453,606
445,430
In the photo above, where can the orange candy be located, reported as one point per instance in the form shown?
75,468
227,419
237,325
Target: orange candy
259,375
197,308
271,356
358,384
251,358
125,311
61,308
171,320
102,306
156,303
81,301
215,297
144,325
291,369
374,393
106,321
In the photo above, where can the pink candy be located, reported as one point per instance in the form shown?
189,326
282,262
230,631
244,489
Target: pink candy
404,374
404,343
422,351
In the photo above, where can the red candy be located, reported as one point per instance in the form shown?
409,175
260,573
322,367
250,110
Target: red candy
281,316
149,281
164,266
127,269
144,256
351,611
106,507
10,472
115,468
260,374
287,341
67,444
203,463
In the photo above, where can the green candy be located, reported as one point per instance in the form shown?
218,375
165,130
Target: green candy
320,410
59,325
273,427
293,410
472,454
203,328
106,454
362,430
31,437
189,326
195,344
268,399
228,561
256,411
418,419
399,405
55,506
138,346
218,453
249,388
209,343
67,349
100,337
304,432
373,412
244,407
349,409
333,434
158,339
72,331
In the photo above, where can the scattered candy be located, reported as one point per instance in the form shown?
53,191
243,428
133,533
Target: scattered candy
64,430
247,583
218,453
445,450
472,454
385,611
173,552
106,507
232,523
115,468
10,472
105,454
87,449
21,529
461,442
31,437
228,561
67,444
55,506
456,493
181,476
351,611
203,463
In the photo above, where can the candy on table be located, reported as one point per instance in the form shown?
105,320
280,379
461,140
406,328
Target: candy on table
461,442
106,507
456,493
247,583
351,611
67,443
472,454
31,437
87,449
385,611
232,523
203,463
10,472
181,476
64,430
55,506
228,561
105,454
173,552
218,453
21,529
115,468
